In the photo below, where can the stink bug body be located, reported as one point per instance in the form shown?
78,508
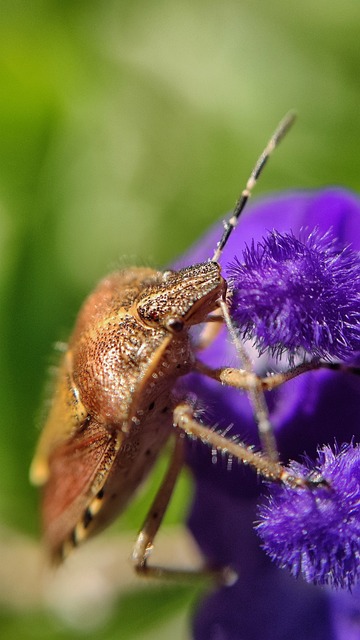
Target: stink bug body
114,406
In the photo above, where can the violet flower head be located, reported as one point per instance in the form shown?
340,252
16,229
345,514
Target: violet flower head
298,295
307,412
316,532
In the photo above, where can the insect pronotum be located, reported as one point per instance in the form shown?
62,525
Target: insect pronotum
114,405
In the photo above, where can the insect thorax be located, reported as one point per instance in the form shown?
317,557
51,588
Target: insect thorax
121,364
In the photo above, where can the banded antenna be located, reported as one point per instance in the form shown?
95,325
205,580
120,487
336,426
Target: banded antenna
229,226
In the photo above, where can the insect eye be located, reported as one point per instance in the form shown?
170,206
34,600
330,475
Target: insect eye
175,325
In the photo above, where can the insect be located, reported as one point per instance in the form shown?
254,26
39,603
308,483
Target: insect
114,406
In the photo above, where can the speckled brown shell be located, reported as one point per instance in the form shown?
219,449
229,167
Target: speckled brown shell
112,408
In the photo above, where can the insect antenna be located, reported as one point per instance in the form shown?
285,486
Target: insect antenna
229,226
256,394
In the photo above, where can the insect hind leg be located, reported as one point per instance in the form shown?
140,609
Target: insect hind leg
145,540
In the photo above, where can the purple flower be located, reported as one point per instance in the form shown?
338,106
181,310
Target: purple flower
292,294
316,532
306,413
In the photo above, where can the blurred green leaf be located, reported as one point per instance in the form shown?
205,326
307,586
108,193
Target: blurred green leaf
137,614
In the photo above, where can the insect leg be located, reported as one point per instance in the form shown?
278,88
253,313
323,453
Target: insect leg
211,330
266,467
242,379
256,393
145,541
277,379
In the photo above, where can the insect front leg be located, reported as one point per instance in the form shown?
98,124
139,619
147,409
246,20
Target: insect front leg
266,467
255,390
211,330
253,384
247,381
145,541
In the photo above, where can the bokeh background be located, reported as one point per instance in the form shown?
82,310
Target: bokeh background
126,128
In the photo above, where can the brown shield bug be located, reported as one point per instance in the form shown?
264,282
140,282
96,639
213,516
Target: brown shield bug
114,405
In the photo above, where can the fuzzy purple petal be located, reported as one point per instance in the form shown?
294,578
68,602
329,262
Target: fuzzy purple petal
298,294
316,533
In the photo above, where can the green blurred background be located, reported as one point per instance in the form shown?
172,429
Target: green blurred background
126,128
